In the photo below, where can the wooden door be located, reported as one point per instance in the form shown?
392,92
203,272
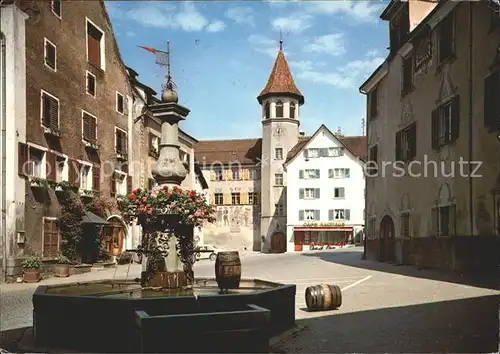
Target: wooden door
278,243
117,236
50,238
386,244
298,238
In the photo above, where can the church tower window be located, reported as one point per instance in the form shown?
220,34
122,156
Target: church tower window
279,109
292,110
267,110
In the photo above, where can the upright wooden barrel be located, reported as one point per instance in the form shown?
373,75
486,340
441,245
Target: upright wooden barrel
228,270
323,297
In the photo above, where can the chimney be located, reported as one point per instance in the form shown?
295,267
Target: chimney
302,133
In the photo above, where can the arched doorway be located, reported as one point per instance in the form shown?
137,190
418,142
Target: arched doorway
278,242
115,236
386,244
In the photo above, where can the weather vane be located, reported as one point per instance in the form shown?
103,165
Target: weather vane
162,58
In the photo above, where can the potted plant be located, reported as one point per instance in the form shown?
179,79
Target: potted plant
31,269
61,269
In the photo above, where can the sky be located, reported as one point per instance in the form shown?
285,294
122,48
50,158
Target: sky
222,54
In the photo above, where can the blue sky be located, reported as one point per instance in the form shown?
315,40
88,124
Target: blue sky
222,54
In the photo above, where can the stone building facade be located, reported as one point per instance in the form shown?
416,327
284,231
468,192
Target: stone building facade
247,178
430,105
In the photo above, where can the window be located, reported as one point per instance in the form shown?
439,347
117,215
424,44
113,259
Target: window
50,54
235,198
218,175
309,193
279,210
89,128
95,45
292,110
279,109
253,198
339,173
423,50
50,238
373,98
491,95
55,5
50,111
399,29
339,193
446,38
60,168
309,174
219,198
339,214
278,179
278,154
119,103
406,143
34,163
153,145
235,173
121,183
267,110
91,84
121,142
405,225
445,123
85,178
324,152
312,214
335,152
443,220
254,174
407,75
311,153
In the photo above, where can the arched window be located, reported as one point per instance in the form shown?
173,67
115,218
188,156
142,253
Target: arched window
279,109
292,110
267,110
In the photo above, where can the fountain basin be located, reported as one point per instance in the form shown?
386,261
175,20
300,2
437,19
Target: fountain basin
119,316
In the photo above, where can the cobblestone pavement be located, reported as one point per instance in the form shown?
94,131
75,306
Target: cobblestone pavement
385,308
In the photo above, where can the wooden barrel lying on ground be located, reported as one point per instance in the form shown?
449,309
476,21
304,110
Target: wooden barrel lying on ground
323,297
228,270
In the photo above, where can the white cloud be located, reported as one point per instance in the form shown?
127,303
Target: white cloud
263,44
241,15
358,10
303,65
348,76
333,44
295,23
130,34
166,15
216,26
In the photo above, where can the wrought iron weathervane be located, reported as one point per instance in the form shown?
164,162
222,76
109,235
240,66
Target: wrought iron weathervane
162,58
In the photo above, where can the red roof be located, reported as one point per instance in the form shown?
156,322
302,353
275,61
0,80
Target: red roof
280,81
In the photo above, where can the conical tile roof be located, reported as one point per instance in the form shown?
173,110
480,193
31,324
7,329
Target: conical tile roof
280,81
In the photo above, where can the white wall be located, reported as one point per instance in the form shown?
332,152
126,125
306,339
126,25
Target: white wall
13,27
354,185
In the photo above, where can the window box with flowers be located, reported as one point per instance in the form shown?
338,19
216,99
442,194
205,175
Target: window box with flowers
164,211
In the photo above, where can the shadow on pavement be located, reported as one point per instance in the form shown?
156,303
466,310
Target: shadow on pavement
352,258
458,326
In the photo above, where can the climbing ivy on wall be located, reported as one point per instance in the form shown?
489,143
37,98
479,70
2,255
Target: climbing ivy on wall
70,222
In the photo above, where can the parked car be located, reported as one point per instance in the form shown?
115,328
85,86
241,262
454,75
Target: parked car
206,252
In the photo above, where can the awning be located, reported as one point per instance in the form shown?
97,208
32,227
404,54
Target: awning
91,218
323,228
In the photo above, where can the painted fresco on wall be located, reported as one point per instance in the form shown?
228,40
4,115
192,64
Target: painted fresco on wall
234,227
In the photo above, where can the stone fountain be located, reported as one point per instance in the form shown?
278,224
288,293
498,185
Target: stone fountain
169,310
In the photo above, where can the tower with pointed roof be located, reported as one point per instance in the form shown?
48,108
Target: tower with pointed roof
280,100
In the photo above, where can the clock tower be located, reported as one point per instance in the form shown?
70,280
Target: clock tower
280,100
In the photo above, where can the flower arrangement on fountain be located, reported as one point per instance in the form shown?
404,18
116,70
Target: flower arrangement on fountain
164,211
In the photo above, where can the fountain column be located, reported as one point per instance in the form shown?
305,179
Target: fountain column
169,170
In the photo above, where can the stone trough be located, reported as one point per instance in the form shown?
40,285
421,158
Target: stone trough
119,316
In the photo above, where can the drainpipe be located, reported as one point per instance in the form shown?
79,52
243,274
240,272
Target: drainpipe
471,202
3,154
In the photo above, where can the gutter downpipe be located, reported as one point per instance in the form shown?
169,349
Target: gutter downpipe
3,152
471,195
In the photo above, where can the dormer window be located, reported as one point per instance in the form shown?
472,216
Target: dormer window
400,28
279,109
292,110
267,110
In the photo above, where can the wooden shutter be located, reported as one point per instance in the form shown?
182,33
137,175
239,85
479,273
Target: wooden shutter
453,220
96,178
491,96
301,215
124,143
212,175
316,193
129,184
54,113
226,198
435,221
51,167
50,238
244,198
411,138
150,141
112,189
46,112
93,129
301,174
399,156
301,193
330,173
347,173
22,158
317,215
94,45
435,129
455,118
86,127
347,214
330,214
